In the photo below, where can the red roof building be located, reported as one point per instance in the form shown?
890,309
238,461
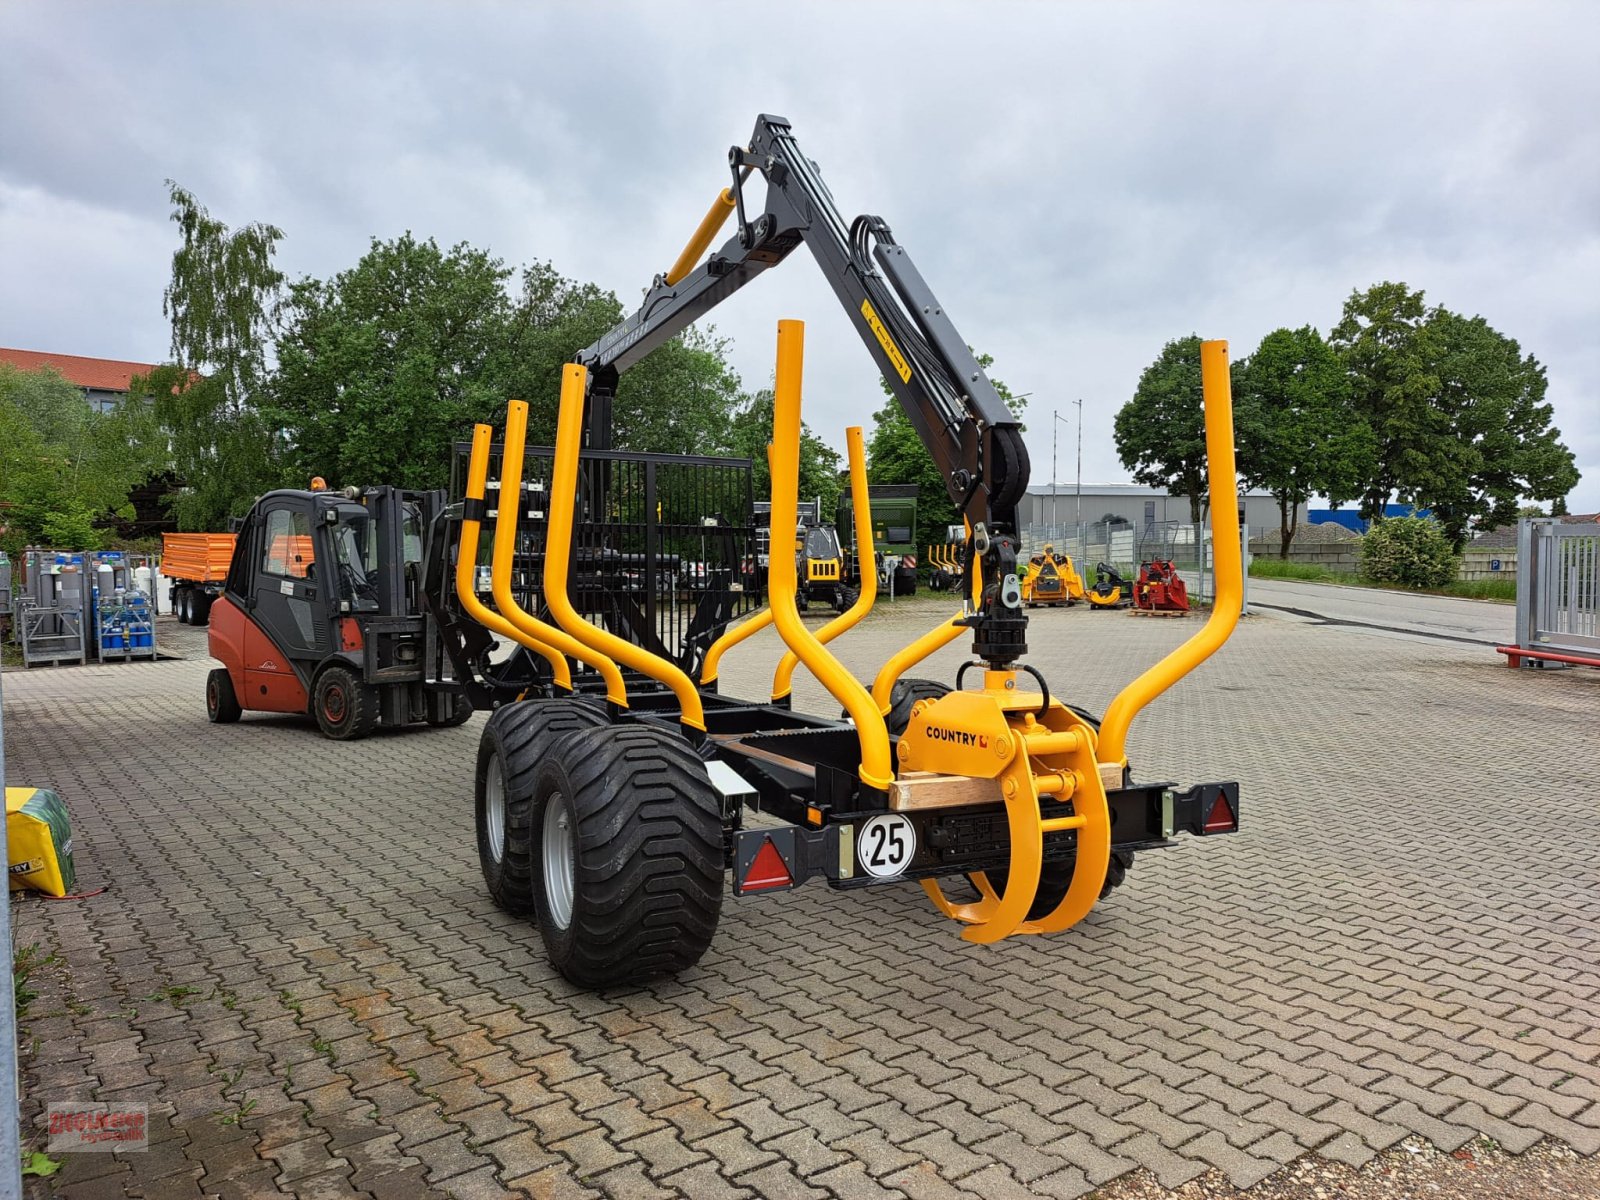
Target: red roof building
104,381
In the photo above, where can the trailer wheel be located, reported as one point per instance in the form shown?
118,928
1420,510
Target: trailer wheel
185,607
201,614
904,697
222,706
629,860
345,708
515,742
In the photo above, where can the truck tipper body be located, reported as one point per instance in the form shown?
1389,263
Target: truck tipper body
195,564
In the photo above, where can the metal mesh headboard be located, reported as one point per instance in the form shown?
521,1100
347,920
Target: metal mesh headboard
663,547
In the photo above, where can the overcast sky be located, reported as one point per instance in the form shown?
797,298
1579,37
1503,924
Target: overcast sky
1080,183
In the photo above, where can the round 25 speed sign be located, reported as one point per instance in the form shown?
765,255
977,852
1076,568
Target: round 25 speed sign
886,845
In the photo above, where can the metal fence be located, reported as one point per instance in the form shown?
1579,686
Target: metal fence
663,546
1123,547
1558,587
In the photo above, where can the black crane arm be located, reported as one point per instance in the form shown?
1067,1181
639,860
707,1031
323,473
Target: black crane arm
972,435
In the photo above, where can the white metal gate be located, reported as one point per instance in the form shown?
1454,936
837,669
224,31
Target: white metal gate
1558,590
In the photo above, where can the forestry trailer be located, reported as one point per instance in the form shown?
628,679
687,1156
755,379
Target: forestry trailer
611,802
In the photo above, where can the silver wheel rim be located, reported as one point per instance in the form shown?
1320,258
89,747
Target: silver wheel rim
494,808
558,871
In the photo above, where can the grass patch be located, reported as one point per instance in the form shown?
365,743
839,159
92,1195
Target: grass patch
24,962
1484,589
1502,590
38,1164
1279,568
174,994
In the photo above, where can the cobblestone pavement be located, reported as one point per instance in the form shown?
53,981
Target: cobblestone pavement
295,964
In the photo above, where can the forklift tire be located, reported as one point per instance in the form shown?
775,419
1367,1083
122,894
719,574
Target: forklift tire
460,711
515,742
345,708
222,706
628,859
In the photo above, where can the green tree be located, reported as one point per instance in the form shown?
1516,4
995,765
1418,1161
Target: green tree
896,454
65,469
1160,433
1501,446
1381,342
222,301
551,319
750,432
681,399
382,367
1456,411
1297,434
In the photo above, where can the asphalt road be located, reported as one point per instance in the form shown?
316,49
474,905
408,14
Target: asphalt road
1386,614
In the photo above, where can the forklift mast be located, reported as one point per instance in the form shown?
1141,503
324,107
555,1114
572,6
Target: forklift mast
974,439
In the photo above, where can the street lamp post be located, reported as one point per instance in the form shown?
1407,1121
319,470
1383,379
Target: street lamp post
1058,419
1079,403
1055,413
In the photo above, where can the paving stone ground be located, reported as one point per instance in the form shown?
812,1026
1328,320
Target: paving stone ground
296,967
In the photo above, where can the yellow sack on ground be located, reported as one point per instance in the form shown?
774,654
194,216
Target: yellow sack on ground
39,836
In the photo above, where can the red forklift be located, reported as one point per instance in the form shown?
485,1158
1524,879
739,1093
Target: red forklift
323,614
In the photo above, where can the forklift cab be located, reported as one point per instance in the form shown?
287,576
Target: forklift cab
365,582
306,558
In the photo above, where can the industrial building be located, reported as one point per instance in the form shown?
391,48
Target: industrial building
1133,504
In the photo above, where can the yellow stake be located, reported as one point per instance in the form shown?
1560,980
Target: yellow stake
467,564
505,547
1229,570
876,769
856,450
558,554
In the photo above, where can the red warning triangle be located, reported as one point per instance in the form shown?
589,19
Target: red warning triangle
1221,819
768,870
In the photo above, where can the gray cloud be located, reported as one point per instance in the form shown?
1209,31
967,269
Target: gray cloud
1080,183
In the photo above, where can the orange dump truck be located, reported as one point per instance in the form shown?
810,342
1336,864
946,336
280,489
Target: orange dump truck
195,565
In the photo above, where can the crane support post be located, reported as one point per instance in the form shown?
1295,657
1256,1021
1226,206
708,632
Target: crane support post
467,563
505,547
861,500
876,770
1229,563
558,554
714,219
